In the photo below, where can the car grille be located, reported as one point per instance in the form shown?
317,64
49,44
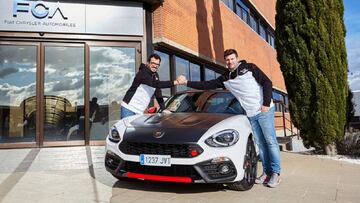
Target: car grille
174,170
175,150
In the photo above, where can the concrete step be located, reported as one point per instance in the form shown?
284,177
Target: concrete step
285,143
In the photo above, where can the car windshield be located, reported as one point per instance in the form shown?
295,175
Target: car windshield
204,102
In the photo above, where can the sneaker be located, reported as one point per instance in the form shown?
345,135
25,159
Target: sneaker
263,179
274,180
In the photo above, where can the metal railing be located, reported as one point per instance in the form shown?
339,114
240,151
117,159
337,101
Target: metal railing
286,118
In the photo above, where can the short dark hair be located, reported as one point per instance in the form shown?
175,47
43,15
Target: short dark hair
155,56
228,52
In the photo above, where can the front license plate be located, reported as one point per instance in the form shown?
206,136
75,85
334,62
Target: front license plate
155,160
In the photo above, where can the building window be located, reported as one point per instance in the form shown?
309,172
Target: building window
251,17
190,69
276,95
280,101
243,11
254,23
271,39
238,10
245,16
182,68
229,3
262,31
286,103
195,72
164,71
209,74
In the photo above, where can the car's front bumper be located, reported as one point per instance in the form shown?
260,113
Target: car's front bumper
202,172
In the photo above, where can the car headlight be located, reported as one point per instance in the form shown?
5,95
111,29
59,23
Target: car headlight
114,135
225,138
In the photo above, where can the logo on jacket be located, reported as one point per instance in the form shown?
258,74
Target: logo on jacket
244,70
158,134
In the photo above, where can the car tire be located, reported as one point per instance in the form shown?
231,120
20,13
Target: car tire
250,169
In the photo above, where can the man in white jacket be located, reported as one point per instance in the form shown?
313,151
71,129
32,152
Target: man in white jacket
253,89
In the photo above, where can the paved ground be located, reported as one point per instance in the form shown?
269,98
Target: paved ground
77,174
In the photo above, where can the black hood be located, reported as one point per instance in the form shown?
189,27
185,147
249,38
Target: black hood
175,128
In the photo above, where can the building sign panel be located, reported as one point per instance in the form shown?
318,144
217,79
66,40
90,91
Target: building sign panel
76,16
126,19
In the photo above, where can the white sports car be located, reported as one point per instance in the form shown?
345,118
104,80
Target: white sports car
201,137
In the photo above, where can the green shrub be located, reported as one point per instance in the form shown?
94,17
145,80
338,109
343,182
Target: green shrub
350,145
310,45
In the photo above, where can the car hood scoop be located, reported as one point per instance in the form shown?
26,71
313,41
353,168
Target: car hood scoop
175,128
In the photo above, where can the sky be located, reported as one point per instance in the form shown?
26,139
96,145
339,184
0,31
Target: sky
352,23
111,69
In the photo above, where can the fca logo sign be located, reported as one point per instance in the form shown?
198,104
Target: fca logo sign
38,9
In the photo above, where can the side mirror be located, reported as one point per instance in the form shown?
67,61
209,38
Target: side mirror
152,110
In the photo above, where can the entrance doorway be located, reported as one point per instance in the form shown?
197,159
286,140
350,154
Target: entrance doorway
63,91
60,94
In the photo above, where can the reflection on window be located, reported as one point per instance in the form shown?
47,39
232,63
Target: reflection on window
64,93
209,74
182,68
245,15
164,71
271,39
243,11
194,72
229,3
262,31
279,100
276,95
238,10
185,67
112,70
17,93
254,23
286,103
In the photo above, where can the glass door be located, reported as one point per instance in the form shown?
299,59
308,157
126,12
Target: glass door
112,70
59,93
63,92
18,119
